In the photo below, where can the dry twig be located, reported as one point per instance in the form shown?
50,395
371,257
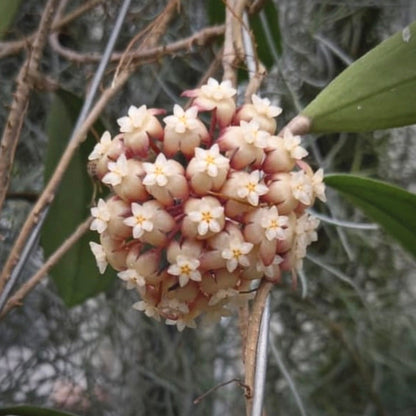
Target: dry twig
15,46
252,338
17,298
20,100
50,189
142,55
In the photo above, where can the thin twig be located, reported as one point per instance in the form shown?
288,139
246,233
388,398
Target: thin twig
20,100
50,189
237,28
218,386
229,56
15,46
141,56
252,339
87,104
256,69
17,298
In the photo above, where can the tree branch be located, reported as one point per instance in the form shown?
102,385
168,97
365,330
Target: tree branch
144,55
252,339
20,100
80,135
15,46
17,298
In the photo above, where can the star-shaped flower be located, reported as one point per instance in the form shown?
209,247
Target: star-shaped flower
251,188
100,256
235,254
318,185
301,187
207,218
141,220
292,144
183,120
263,106
269,270
132,278
210,160
181,323
216,91
135,119
102,147
149,310
274,224
186,269
157,173
117,171
101,216
253,135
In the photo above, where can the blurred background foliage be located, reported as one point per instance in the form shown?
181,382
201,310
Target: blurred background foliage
347,346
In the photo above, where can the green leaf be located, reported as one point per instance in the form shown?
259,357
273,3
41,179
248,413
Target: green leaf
263,47
216,11
76,275
390,206
8,10
375,92
24,410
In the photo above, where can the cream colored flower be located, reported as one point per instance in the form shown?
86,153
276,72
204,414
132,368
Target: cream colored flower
186,269
301,187
101,215
132,278
264,107
215,95
149,310
253,135
251,189
117,171
274,224
183,120
157,173
207,218
181,323
235,254
141,220
102,147
292,145
318,185
270,270
100,256
210,161
135,119
217,92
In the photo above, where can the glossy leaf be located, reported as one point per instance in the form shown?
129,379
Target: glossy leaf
375,92
390,206
24,410
8,10
76,275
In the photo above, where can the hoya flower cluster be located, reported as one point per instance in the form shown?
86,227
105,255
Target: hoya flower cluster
198,212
